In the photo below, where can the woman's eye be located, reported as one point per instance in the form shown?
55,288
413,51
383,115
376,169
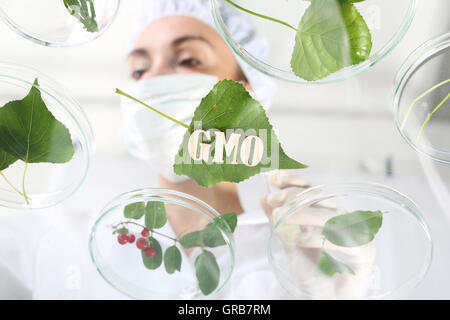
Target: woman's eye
137,74
190,62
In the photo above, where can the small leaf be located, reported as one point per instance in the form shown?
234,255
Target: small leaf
230,107
353,229
331,35
122,231
155,215
154,262
134,210
29,131
229,218
207,271
212,236
6,160
328,266
172,259
191,240
84,13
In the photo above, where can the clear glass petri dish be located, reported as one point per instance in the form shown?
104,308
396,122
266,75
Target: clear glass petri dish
60,23
122,266
387,27
388,267
46,184
422,99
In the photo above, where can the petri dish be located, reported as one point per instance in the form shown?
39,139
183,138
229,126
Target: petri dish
388,267
422,99
60,23
49,177
123,267
387,28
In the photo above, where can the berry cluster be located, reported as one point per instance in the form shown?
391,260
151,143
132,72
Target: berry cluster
141,243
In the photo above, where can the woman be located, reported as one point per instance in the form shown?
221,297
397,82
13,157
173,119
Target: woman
176,58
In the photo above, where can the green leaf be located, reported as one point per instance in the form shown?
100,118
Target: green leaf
84,12
211,236
29,132
353,229
155,215
156,261
6,160
230,106
121,231
192,239
328,266
134,210
331,35
207,271
172,259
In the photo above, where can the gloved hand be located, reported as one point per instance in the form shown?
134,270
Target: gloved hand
299,233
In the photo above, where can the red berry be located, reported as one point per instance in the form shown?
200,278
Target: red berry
122,238
131,238
141,243
145,233
150,252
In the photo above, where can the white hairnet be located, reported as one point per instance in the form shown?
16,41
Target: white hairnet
238,24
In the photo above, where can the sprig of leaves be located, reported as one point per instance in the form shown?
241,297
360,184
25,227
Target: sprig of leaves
84,12
348,230
29,132
331,35
228,106
155,217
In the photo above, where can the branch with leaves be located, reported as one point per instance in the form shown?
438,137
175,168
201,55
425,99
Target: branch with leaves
349,230
29,132
155,217
331,35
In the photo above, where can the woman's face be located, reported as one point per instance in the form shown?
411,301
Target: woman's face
180,44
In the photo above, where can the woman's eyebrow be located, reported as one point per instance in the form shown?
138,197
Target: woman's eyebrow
138,52
183,39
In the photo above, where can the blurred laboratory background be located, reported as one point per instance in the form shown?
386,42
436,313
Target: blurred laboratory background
345,131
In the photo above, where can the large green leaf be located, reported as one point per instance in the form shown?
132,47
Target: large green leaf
353,229
134,210
328,266
156,261
172,259
29,132
230,106
331,35
84,12
6,160
207,271
155,215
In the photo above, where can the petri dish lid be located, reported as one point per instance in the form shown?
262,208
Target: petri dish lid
387,28
59,165
124,266
388,267
422,99
61,23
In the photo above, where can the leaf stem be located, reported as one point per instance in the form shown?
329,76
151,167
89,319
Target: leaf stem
429,117
260,15
23,184
423,95
143,227
10,184
118,91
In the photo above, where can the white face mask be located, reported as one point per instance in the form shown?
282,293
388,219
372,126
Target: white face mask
148,135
